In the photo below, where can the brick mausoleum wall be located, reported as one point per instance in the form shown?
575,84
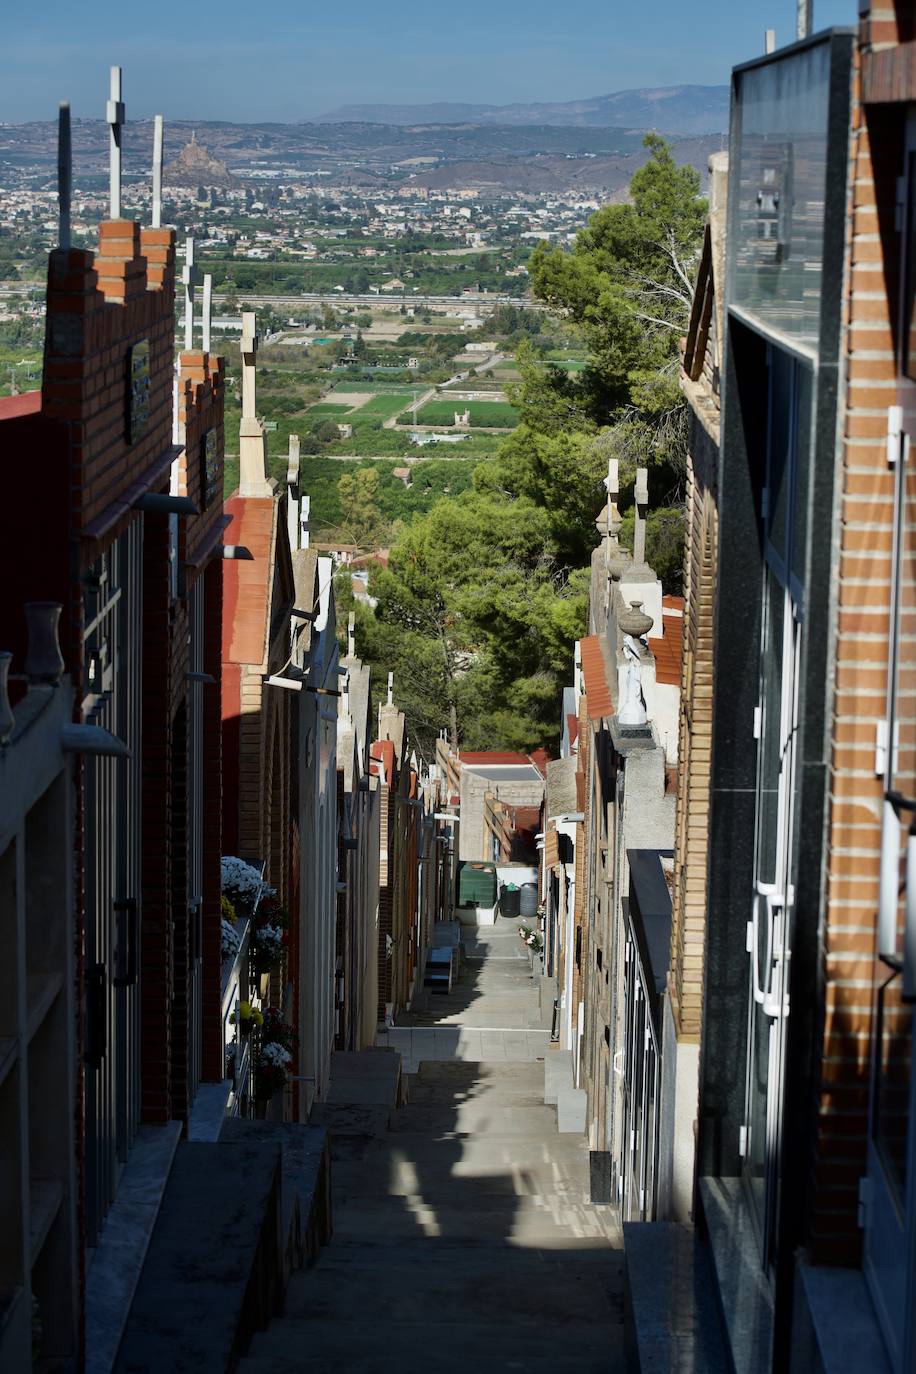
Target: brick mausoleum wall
850,970
99,306
201,400
688,924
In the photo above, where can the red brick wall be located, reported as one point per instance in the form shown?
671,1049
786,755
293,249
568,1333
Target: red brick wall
98,306
156,944
850,971
212,824
200,409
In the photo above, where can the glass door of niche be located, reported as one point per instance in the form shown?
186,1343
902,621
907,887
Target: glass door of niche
771,917
889,1187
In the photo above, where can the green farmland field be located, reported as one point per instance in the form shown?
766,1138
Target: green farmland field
383,406
328,410
483,414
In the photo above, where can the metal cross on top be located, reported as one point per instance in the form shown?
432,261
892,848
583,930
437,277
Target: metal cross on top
249,360
157,172
641,502
190,275
64,173
207,311
115,117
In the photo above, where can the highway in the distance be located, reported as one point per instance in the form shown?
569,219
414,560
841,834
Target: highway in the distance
285,302
479,301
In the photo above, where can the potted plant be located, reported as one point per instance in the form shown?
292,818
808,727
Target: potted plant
276,1030
247,1018
229,936
268,936
272,1072
242,883
532,942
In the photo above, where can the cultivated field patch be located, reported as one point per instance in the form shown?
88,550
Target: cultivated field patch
482,414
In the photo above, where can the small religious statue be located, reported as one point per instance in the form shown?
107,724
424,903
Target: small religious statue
633,710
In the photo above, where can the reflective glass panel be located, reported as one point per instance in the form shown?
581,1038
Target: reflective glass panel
776,234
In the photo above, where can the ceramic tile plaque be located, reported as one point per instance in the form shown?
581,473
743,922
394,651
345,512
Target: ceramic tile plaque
210,467
138,390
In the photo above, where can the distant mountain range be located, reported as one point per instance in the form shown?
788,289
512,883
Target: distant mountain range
682,110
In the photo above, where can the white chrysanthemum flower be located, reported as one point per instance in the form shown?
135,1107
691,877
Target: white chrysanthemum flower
229,940
276,1055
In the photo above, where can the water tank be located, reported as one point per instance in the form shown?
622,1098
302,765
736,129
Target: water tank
529,899
510,900
477,884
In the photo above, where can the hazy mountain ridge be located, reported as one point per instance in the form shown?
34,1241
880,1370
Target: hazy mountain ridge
683,110
535,158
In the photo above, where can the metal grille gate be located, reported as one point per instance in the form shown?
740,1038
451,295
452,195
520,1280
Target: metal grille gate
195,831
112,649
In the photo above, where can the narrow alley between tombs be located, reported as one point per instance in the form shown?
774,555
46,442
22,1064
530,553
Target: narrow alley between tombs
462,1235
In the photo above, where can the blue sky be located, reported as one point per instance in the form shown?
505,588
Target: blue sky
289,59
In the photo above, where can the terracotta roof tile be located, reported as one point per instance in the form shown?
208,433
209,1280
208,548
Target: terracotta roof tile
598,694
28,403
667,650
383,752
525,817
493,756
247,586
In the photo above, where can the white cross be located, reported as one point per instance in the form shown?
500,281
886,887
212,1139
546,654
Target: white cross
115,117
157,172
207,310
190,276
249,359
641,500
64,172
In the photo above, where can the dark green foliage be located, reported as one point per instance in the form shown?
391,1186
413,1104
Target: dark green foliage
484,595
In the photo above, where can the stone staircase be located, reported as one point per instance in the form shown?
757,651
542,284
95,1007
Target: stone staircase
462,1241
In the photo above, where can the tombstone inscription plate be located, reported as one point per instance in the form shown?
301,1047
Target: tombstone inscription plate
138,390
210,467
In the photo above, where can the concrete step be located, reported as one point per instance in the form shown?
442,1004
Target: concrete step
369,1178
326,1293
435,1094
212,1271
475,1117
445,1071
367,1078
417,1360
464,1241
471,1154
534,1223
417,1345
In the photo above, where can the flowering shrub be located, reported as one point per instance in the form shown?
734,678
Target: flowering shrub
270,912
246,1016
272,1071
531,938
276,1030
243,881
227,909
266,946
229,940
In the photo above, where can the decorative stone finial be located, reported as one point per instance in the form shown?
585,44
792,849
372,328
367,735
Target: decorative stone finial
44,661
7,719
635,622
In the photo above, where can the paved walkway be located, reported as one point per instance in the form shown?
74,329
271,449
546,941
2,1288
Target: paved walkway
463,1241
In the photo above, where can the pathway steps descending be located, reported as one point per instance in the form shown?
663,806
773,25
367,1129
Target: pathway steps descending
463,1240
